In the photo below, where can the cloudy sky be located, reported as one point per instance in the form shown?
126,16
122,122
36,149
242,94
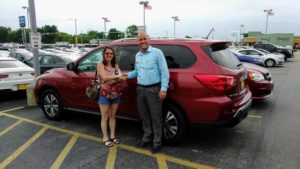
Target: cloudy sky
197,17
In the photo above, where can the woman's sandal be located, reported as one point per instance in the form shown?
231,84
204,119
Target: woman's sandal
115,141
108,143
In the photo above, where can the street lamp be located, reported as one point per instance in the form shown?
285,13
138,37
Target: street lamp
268,11
75,20
241,32
105,20
145,6
27,11
175,19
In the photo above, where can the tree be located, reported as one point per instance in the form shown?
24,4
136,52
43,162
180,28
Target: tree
114,34
49,33
94,34
4,31
132,31
15,36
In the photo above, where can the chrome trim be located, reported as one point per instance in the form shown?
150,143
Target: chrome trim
241,109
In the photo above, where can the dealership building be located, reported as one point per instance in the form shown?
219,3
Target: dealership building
282,39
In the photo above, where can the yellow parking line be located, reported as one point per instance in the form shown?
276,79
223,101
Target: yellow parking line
254,116
10,127
59,160
161,161
15,154
89,137
17,108
123,146
111,158
166,157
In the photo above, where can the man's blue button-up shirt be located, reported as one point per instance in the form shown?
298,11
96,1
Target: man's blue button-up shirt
151,68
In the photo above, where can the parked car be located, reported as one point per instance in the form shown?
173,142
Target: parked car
21,54
288,53
52,60
269,60
14,75
259,80
207,85
267,52
4,53
249,59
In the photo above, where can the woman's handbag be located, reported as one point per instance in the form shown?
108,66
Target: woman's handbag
92,91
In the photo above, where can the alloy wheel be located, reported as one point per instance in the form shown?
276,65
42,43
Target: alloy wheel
50,105
170,125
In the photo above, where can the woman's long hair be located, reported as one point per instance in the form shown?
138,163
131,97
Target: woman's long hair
113,61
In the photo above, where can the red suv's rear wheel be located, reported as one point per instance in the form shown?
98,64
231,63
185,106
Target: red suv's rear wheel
174,124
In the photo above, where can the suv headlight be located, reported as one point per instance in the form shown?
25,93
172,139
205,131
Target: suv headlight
256,76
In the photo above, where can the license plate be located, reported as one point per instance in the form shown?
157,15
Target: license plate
242,85
22,86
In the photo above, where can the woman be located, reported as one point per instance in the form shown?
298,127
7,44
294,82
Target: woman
109,94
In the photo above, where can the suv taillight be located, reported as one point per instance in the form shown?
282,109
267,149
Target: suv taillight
2,76
216,82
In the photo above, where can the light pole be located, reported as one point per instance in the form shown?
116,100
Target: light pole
241,32
28,25
175,19
76,40
105,20
145,5
268,11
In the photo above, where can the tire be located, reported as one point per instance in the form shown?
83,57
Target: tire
270,63
174,124
51,105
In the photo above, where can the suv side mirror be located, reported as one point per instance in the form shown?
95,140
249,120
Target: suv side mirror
71,66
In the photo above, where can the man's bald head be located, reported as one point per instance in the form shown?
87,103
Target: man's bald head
143,41
142,34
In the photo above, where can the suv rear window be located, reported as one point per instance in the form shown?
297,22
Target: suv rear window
222,55
177,57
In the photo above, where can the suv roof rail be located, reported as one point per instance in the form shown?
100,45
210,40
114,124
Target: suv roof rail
160,38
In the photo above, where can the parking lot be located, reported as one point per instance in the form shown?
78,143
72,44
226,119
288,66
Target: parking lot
267,138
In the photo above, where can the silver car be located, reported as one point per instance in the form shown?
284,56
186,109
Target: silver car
269,59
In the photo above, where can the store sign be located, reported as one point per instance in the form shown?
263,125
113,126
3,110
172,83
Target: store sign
22,21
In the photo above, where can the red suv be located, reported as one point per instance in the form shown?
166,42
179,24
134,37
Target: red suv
207,85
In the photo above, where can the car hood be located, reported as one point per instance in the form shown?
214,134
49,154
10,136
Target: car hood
254,67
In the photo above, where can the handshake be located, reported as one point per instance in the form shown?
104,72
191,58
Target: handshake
122,76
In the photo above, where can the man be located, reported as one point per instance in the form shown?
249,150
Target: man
152,75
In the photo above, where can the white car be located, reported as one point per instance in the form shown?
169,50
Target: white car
4,53
269,59
14,75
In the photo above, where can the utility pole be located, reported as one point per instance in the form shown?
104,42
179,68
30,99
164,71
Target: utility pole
175,20
269,12
37,69
105,20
